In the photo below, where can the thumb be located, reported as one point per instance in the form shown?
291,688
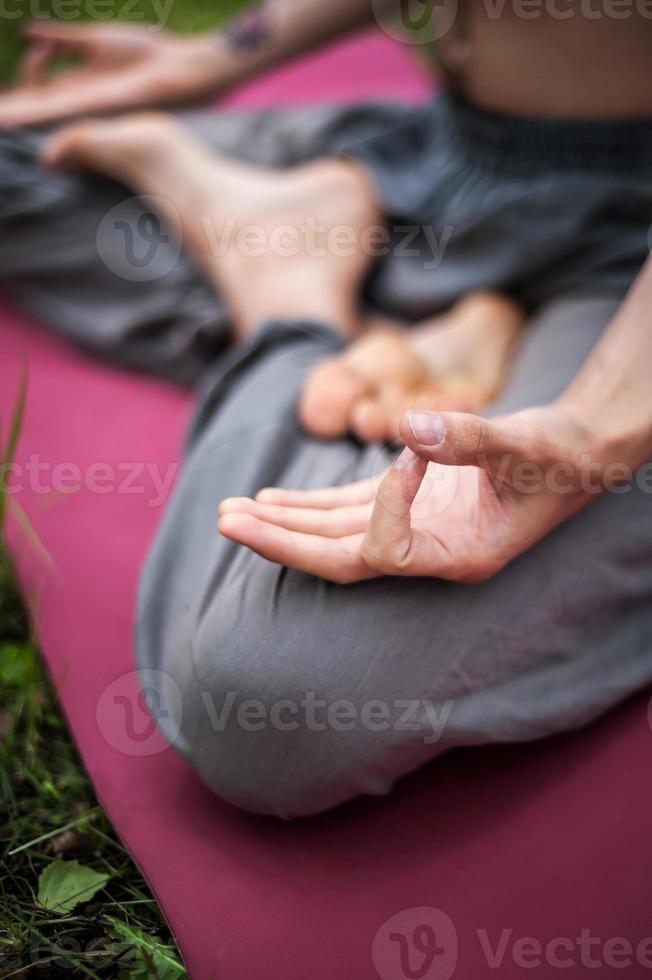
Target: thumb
387,541
461,439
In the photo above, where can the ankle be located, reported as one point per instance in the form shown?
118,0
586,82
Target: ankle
293,300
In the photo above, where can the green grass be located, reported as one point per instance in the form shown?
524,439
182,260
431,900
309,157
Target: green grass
49,812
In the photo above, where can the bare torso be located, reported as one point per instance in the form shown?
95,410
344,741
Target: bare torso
572,58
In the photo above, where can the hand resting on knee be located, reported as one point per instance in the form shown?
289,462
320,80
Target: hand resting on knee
468,495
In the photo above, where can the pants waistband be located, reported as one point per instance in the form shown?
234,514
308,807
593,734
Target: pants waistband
522,144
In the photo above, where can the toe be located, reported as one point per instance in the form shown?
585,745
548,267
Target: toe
371,421
330,391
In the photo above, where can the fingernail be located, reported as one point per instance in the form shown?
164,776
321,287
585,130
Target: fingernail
428,428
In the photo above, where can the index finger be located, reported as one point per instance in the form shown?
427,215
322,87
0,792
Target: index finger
388,539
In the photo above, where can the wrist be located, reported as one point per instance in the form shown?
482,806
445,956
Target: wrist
207,63
611,439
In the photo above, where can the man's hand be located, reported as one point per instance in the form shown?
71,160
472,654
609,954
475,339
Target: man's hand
117,67
465,497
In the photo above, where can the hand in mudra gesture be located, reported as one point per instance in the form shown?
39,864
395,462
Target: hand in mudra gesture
463,499
116,67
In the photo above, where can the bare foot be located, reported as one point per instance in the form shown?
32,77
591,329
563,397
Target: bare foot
271,240
456,362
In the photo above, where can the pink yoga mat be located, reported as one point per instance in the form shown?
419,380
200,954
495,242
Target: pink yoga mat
506,862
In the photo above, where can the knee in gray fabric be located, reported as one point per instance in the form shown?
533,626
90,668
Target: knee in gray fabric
251,748
258,726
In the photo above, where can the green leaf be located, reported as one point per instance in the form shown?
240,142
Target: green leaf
148,956
65,884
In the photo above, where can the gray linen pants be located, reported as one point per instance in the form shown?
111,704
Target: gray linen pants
290,694
287,693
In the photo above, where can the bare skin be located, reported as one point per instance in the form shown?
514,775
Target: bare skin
456,361
243,224
582,58
562,58
461,520
122,66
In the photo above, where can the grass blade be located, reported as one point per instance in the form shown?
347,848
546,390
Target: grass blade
8,452
30,533
16,426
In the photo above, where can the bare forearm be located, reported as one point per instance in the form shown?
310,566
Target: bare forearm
267,34
612,392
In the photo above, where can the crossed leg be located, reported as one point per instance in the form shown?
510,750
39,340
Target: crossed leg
268,239
260,235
